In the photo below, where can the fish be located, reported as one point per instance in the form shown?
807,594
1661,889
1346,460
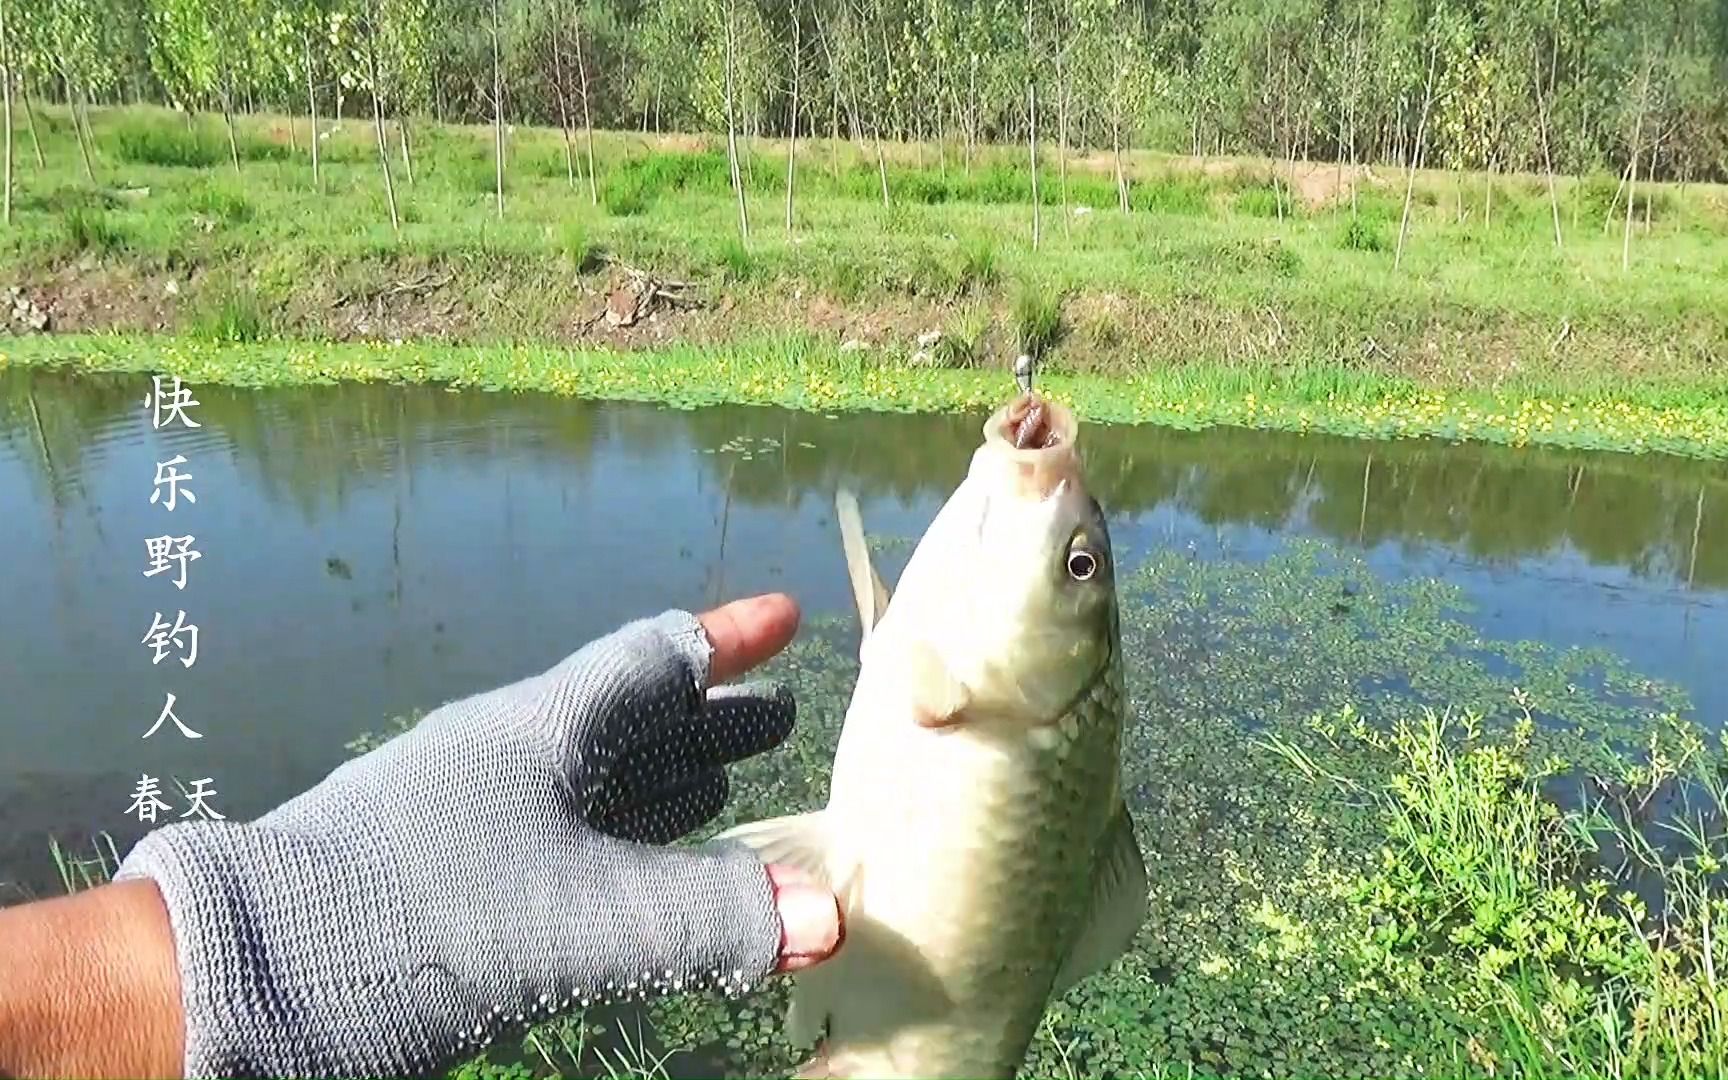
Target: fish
975,834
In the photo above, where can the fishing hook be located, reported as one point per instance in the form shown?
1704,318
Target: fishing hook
1023,372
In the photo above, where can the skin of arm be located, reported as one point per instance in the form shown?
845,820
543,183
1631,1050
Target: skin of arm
89,985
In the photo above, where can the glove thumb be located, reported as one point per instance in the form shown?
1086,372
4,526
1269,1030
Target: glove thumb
711,917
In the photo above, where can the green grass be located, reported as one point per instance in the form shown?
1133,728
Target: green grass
804,373
1037,321
1581,977
167,144
1201,273
91,229
229,313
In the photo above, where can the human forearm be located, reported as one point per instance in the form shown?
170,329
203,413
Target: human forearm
89,986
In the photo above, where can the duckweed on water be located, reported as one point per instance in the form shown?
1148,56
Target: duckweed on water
803,374
1380,844
1365,830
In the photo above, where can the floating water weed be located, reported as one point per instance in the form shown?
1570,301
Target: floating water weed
802,373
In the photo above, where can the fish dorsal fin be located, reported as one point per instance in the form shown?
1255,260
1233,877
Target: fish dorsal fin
867,588
1118,907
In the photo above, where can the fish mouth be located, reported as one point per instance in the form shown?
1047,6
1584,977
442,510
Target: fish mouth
1034,439
1031,425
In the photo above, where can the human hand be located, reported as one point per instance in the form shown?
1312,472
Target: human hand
490,868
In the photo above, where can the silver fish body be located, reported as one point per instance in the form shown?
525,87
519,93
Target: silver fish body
975,831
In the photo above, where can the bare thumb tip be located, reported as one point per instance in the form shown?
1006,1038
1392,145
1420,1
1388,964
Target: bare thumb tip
812,926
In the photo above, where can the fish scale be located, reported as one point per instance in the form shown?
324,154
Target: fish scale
1040,813
975,834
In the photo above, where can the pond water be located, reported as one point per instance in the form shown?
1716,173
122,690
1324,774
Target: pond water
368,550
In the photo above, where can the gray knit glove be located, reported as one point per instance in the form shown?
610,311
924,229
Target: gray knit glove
480,872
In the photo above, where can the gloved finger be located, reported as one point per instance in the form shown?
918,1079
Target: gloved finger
671,812
738,722
613,693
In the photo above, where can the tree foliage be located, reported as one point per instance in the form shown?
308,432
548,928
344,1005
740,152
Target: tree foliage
1316,79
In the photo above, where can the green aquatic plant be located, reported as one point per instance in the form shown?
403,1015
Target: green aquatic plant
801,372
1295,719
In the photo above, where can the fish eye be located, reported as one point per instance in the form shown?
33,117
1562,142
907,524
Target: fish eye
1082,565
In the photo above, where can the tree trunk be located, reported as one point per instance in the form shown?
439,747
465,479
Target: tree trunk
228,116
404,138
587,119
1415,150
76,97
1648,197
312,106
972,116
732,126
881,163
746,156
1614,203
834,137
1032,152
1632,172
792,139
378,130
1032,124
1062,136
30,118
1355,97
1116,147
1650,176
1488,199
1548,163
6,66
564,109
497,115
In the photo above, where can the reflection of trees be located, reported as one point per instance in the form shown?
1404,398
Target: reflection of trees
311,446
43,424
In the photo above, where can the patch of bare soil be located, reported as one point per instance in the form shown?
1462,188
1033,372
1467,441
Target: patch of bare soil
629,308
83,296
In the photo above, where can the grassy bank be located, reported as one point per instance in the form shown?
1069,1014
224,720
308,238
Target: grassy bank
1219,264
806,373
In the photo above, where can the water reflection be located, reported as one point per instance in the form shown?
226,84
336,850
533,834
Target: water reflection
1664,518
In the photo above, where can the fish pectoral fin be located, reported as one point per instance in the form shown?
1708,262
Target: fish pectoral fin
868,592
1118,907
797,840
939,700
